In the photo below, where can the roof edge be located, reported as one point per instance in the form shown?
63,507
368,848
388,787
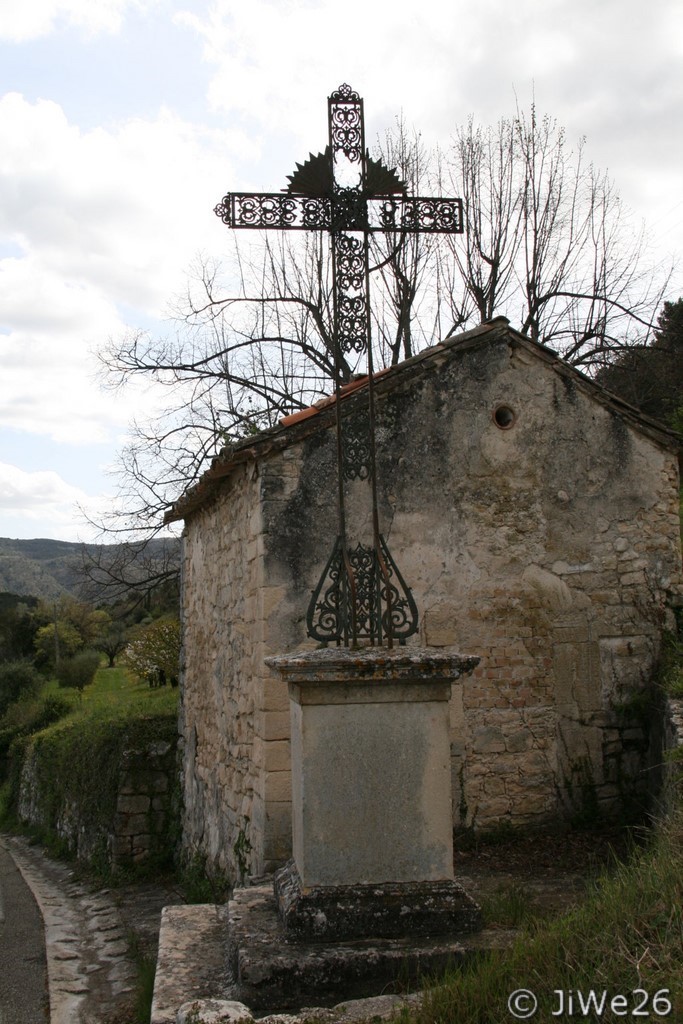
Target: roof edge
300,425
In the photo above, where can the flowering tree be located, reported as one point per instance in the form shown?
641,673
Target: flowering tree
154,654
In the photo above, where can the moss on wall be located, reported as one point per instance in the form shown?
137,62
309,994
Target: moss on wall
102,789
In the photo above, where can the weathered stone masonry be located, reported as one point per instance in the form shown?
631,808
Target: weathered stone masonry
546,543
144,819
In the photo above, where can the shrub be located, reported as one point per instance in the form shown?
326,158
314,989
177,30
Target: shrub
29,714
17,678
79,671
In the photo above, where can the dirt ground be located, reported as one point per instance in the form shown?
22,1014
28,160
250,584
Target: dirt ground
553,870
535,853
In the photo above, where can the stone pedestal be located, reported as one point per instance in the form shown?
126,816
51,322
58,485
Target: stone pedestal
371,796
371,879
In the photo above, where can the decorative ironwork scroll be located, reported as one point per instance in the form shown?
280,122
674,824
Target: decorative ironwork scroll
361,594
356,449
323,213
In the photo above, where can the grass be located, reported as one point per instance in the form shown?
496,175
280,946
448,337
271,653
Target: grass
113,691
627,935
77,759
510,906
145,964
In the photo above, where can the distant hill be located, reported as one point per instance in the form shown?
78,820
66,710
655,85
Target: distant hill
49,568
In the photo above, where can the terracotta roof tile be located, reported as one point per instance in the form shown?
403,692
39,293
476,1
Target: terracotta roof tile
324,403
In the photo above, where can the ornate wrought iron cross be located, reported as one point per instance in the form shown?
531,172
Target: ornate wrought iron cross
361,594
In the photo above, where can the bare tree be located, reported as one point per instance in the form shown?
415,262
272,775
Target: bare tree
407,294
480,166
547,243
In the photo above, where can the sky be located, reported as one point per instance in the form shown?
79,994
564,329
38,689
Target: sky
124,122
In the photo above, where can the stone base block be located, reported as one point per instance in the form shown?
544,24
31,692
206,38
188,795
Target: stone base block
271,973
191,958
391,910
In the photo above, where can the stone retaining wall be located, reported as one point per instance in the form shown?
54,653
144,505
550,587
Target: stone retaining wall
144,824
144,808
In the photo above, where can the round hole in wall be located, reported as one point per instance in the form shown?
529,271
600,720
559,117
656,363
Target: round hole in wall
504,417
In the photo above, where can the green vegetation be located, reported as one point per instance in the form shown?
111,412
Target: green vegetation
17,679
56,640
510,906
154,651
201,883
30,714
116,694
671,666
627,935
651,376
145,965
72,730
79,671
77,746
17,627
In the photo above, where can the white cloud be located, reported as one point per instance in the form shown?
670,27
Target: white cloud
48,384
51,322
122,209
28,500
27,492
276,62
20,22
609,71
103,221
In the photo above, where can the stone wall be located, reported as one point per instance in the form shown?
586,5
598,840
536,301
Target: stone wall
548,548
222,677
143,826
672,781
145,804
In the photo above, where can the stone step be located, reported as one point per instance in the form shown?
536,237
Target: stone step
259,969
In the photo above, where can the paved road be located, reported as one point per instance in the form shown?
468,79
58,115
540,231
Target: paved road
23,971
90,974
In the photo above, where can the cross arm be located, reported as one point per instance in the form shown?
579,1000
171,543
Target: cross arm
416,215
275,210
344,211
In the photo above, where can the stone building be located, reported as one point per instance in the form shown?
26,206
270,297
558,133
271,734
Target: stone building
535,517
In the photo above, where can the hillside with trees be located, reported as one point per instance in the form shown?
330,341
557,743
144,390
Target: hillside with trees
50,569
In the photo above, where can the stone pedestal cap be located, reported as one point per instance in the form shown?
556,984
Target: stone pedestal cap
371,664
